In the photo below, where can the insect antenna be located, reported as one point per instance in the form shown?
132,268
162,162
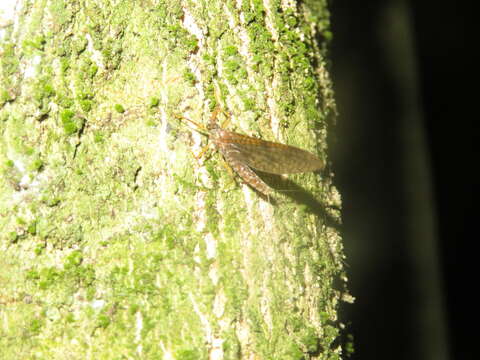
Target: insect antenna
198,127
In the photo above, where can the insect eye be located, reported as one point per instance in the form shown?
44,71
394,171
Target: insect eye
211,126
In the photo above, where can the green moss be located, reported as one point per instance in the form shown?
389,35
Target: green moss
92,71
349,346
119,108
64,100
64,65
4,97
151,122
263,47
91,292
153,102
290,18
191,43
69,318
61,14
32,228
48,89
209,59
28,150
87,275
327,35
9,62
230,50
188,354
38,43
4,116
47,277
231,346
85,105
73,260
12,236
150,263
248,104
182,37
51,201
210,94
79,45
310,341
112,53
98,137
84,93
32,275
103,321
133,309
36,165
310,83
294,353
189,77
69,126
43,88
232,66
35,326
39,249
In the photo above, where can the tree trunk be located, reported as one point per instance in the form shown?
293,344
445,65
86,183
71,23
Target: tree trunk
120,236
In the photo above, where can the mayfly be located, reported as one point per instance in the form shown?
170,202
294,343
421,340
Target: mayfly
245,154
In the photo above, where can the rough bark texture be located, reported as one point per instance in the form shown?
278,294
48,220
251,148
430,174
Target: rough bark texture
118,242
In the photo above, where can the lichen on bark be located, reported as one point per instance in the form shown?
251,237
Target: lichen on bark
116,238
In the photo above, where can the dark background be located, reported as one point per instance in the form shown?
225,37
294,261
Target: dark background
392,59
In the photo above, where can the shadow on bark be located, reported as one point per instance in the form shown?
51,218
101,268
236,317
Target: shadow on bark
298,194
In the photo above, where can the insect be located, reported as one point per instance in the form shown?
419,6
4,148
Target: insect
246,154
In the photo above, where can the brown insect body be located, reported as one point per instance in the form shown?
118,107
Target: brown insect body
245,153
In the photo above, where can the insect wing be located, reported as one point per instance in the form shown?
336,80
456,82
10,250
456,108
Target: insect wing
248,175
271,157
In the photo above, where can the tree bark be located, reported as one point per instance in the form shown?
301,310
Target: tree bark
120,237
